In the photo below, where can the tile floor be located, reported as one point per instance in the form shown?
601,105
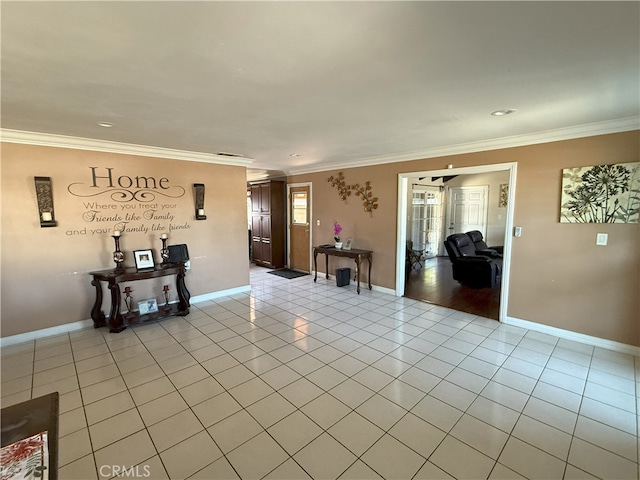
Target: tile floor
299,380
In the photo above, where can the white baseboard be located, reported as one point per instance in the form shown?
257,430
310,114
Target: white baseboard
72,327
575,336
389,291
363,285
220,293
45,332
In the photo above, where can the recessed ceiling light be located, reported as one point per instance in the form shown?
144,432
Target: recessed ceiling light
500,113
294,154
106,124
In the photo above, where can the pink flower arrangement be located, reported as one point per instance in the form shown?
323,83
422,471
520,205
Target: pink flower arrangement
336,231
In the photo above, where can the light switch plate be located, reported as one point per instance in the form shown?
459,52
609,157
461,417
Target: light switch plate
517,231
602,238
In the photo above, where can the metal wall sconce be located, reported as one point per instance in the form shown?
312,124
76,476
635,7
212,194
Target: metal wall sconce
199,195
44,194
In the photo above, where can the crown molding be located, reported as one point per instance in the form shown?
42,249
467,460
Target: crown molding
547,136
78,143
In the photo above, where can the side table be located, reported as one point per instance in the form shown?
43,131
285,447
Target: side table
356,254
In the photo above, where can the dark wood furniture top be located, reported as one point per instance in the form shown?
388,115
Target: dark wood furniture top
29,418
117,321
356,254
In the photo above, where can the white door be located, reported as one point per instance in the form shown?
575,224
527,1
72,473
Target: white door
467,209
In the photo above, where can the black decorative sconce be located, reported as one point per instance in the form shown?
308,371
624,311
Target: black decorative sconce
199,187
44,194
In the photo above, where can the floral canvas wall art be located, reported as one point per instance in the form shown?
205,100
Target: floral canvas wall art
601,194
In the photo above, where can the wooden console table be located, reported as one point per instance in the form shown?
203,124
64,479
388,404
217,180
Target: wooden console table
114,277
357,255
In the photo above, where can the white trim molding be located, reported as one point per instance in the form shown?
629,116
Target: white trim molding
546,136
45,332
221,293
401,241
72,327
574,336
78,143
364,286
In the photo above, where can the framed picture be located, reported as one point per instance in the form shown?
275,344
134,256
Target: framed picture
144,259
601,194
347,245
148,306
504,195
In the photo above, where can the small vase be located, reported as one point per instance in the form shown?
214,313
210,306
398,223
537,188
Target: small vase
338,245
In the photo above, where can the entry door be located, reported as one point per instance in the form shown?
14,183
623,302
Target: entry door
467,209
299,228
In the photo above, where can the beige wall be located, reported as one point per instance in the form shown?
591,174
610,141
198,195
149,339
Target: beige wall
45,279
559,277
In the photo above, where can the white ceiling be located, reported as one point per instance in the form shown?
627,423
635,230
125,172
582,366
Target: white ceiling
338,83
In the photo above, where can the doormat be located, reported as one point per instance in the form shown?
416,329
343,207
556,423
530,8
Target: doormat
287,273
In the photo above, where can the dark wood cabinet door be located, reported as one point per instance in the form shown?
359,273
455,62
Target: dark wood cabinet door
266,252
265,226
255,198
256,249
256,226
268,214
265,198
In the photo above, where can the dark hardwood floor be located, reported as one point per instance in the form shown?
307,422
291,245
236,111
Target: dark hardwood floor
434,283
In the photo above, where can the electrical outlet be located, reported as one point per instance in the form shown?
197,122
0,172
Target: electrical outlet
318,223
602,238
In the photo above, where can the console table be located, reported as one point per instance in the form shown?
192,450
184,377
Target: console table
118,322
357,255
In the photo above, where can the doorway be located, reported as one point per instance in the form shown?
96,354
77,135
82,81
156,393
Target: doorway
299,226
404,199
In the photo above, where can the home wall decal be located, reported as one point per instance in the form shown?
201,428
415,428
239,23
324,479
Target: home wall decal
133,204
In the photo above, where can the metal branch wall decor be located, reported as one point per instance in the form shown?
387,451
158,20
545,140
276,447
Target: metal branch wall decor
369,202
339,184
601,194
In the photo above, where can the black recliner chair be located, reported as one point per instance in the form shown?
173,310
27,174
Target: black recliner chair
469,268
481,247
